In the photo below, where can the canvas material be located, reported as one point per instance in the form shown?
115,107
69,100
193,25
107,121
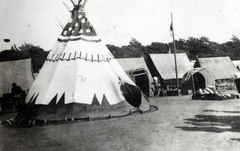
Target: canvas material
81,78
19,72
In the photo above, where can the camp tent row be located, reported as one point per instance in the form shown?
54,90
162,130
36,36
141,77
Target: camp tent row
213,71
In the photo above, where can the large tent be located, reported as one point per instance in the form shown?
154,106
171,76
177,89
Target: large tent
220,68
19,72
137,71
163,65
81,79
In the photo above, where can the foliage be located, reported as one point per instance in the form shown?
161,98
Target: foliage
37,54
133,50
193,47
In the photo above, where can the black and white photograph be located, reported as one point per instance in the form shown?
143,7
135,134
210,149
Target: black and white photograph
124,75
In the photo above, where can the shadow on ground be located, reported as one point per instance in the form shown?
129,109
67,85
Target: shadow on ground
213,123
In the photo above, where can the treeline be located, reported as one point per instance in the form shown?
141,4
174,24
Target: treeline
193,47
37,54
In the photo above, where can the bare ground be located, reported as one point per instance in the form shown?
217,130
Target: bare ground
180,124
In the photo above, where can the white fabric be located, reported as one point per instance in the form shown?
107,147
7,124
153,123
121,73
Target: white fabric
237,75
80,79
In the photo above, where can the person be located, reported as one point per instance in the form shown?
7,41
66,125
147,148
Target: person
158,88
152,89
237,81
16,94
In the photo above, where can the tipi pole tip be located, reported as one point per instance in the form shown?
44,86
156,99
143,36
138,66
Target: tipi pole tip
66,6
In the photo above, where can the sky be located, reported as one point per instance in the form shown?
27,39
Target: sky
118,21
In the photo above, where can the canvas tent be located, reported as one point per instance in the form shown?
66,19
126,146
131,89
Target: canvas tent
163,66
220,68
198,78
202,83
137,71
81,79
19,72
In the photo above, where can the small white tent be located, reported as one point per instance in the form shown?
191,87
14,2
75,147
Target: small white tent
81,78
17,71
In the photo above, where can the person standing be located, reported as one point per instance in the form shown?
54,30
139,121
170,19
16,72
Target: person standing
16,94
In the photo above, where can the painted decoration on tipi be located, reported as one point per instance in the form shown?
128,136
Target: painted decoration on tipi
80,77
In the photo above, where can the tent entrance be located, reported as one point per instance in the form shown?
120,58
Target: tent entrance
141,80
199,81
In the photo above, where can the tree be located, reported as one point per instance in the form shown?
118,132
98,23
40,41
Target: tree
136,48
37,54
116,51
157,47
133,50
236,47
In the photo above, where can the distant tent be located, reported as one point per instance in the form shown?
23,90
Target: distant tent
201,79
220,68
81,78
163,66
138,71
203,85
19,72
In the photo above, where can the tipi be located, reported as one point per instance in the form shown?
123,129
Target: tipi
80,77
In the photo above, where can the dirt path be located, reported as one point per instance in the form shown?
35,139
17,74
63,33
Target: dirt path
180,124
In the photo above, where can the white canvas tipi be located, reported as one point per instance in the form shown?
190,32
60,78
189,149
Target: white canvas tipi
80,77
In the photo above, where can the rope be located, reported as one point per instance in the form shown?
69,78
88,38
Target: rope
31,123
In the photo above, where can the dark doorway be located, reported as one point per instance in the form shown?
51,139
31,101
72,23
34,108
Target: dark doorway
199,81
142,81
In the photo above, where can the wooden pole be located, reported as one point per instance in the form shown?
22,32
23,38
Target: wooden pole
193,85
175,58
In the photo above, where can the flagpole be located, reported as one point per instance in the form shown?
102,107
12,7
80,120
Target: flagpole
175,58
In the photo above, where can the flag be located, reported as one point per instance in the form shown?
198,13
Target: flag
171,26
171,29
